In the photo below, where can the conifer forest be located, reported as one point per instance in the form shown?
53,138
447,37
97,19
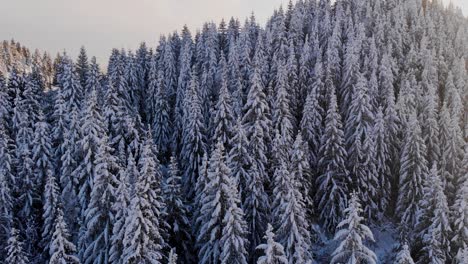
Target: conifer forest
335,133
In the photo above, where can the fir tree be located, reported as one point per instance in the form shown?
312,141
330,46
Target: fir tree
404,256
459,212
412,172
161,125
50,210
273,251
172,257
82,66
351,233
121,209
176,212
193,139
61,249
15,250
98,217
220,215
239,160
332,191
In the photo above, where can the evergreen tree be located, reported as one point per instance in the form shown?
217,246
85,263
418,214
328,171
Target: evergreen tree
436,238
351,233
404,256
193,139
176,212
332,184
61,249
50,210
98,217
82,66
239,160
121,209
412,172
459,212
143,241
172,257
161,125
273,251
382,160
15,250
222,228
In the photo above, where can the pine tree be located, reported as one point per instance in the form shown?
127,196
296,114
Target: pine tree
332,184
6,186
15,250
42,149
351,233
412,172
382,160
300,168
404,256
61,249
176,213
273,251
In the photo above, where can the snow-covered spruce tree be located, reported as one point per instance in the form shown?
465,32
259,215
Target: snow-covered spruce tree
50,206
182,86
70,83
313,116
289,212
121,208
223,120
382,160
82,66
176,213
300,168
172,257
234,234
41,149
221,219
404,256
193,146
459,210
413,171
283,120
161,125
332,184
239,160
351,233
68,151
61,249
256,123
143,242
6,185
93,79
92,132
436,238
462,256
360,147
15,250
451,140
98,216
273,252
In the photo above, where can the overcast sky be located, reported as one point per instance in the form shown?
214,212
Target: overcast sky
100,25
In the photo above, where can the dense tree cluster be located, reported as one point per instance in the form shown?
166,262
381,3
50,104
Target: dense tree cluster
236,144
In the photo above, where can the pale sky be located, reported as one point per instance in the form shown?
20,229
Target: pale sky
100,25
